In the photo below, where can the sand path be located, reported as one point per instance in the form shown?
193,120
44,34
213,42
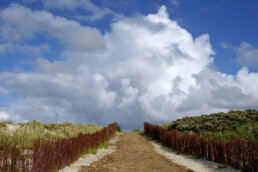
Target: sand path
138,153
134,153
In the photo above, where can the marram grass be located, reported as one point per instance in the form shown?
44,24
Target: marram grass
27,133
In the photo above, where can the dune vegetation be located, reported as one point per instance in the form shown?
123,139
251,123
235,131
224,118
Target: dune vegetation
25,134
221,126
35,146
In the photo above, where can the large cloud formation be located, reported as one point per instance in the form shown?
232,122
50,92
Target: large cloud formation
147,68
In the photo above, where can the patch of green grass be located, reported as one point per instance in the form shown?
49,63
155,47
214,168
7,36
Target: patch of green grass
104,145
92,151
222,166
4,136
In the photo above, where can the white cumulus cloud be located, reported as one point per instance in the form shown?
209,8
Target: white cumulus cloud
152,70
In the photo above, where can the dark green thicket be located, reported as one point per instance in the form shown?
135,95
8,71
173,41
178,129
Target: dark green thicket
136,130
118,128
234,124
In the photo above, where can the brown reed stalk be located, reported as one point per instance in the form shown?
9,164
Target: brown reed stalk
49,156
14,157
253,156
237,153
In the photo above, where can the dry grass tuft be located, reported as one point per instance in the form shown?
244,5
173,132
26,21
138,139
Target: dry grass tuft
27,133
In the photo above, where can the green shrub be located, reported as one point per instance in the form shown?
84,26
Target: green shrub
118,128
136,130
222,126
165,125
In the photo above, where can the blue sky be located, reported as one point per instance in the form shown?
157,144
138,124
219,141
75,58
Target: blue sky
226,21
127,61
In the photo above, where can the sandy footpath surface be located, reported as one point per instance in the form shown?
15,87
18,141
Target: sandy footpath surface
134,153
191,162
88,159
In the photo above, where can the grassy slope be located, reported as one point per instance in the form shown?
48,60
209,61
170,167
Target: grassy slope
234,124
27,132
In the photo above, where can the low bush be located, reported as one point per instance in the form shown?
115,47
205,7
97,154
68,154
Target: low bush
222,126
119,129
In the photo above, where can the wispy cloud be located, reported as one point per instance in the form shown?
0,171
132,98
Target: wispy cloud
6,48
227,45
247,55
20,23
175,2
96,12
28,50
